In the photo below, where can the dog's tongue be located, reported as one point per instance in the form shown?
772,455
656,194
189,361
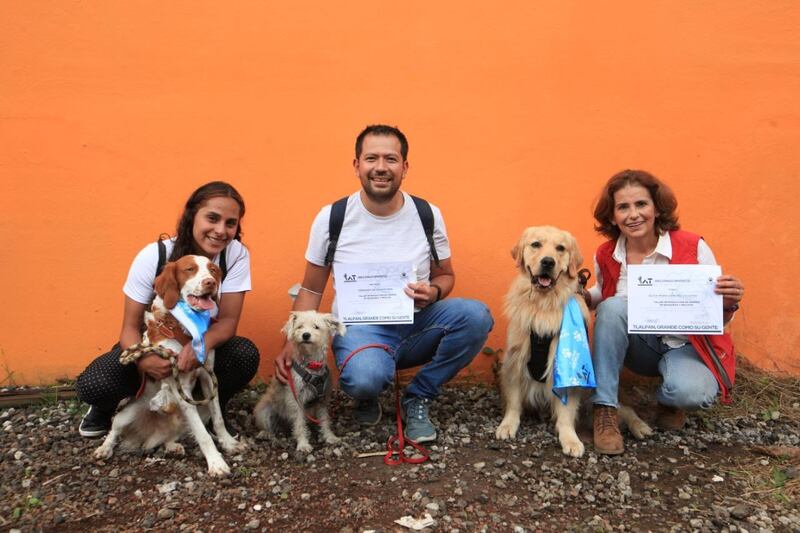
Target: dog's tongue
544,281
206,304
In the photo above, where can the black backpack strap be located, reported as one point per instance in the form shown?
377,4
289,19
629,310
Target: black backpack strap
162,257
335,223
223,264
426,217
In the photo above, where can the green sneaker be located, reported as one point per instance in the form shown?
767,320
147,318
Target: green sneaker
418,425
367,412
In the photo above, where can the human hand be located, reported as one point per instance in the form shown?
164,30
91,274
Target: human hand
731,289
187,360
422,292
154,366
283,363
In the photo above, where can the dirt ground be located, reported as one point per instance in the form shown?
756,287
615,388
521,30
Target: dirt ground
731,469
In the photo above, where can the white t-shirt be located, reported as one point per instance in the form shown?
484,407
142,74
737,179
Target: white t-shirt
139,285
368,238
661,255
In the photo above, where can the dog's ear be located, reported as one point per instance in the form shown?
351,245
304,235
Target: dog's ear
575,258
517,253
166,285
334,325
289,326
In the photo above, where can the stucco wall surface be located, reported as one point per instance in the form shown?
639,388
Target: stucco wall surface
517,112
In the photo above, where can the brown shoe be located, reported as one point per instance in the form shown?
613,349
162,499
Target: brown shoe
670,418
607,438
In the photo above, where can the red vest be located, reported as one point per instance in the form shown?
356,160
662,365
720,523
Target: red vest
716,351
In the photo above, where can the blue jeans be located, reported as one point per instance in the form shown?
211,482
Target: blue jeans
444,337
687,382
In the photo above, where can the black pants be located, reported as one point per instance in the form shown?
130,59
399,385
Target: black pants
106,381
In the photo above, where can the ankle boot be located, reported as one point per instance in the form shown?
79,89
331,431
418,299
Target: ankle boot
607,438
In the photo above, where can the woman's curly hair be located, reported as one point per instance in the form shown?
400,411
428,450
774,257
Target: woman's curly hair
663,198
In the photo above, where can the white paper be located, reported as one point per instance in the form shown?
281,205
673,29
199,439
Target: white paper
372,293
677,299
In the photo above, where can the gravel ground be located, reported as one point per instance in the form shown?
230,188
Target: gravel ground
709,477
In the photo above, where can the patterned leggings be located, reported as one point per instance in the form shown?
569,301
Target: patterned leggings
106,381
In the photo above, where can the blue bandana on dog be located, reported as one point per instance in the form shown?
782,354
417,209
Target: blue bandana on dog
196,323
573,361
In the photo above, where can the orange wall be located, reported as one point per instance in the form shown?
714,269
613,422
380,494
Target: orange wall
112,112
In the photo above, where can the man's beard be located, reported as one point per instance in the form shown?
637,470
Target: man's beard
383,195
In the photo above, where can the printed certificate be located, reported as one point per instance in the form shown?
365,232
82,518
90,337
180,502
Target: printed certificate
372,293
677,299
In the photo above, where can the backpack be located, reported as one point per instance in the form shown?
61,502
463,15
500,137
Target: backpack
336,221
162,260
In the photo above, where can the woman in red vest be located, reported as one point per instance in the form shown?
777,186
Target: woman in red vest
636,211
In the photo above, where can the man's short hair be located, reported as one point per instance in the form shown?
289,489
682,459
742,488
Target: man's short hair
382,129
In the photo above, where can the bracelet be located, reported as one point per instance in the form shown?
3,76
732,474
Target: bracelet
438,291
731,308
309,290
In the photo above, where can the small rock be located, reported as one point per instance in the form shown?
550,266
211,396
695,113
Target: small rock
740,511
165,513
479,466
253,524
166,488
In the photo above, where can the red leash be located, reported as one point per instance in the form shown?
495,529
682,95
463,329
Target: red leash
396,444
294,393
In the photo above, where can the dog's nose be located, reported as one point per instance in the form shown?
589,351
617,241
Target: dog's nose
209,283
306,336
547,262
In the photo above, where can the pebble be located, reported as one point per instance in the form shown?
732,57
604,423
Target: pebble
524,484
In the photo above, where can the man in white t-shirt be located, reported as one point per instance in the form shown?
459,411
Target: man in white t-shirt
381,224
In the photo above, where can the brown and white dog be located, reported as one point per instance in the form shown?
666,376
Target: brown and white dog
159,416
309,333
547,260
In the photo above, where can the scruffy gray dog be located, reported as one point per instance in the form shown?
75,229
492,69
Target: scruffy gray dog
309,332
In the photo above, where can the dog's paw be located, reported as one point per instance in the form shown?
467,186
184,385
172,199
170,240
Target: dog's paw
175,448
237,446
640,429
507,429
304,447
231,445
572,446
103,452
218,468
332,439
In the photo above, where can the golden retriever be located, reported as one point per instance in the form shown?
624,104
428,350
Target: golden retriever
547,260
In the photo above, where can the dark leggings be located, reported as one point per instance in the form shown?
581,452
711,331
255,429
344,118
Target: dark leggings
106,381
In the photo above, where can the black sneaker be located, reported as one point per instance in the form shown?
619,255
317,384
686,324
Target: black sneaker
367,412
95,423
